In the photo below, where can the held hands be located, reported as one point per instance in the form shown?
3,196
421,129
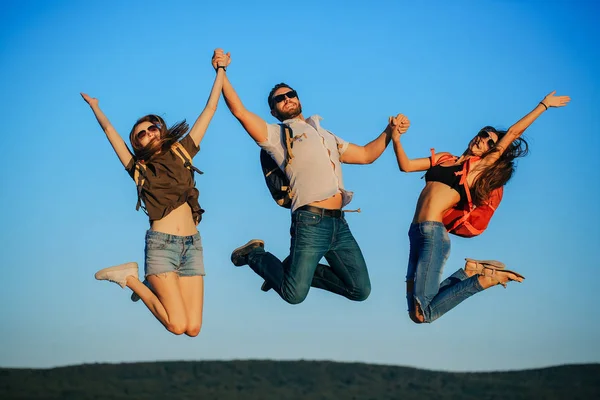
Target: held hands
398,125
92,101
220,59
555,101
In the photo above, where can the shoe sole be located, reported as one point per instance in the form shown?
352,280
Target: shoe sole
495,265
508,271
493,276
253,241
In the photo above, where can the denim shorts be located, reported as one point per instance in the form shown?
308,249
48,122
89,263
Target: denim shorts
171,253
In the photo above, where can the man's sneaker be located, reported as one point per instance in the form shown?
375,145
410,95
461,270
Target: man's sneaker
118,274
134,295
265,287
239,256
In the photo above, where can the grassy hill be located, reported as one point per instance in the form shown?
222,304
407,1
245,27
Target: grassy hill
281,380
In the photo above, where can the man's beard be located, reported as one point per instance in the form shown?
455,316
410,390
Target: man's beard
290,113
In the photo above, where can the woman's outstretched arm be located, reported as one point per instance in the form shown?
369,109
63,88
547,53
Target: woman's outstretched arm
516,130
116,141
220,62
404,163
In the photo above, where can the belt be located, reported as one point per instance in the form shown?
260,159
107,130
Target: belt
323,211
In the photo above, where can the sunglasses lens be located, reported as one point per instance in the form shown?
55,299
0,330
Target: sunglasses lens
153,128
281,97
486,135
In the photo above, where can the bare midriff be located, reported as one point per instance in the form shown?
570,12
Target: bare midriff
433,202
178,222
332,203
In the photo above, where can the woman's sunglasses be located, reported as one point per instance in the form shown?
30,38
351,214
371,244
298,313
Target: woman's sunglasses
281,97
486,135
151,128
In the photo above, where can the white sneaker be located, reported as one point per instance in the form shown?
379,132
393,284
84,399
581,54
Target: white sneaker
118,274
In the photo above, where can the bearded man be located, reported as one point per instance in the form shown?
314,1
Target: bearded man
318,226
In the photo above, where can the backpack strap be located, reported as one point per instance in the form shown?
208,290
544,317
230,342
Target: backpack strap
464,173
443,158
463,179
286,131
180,151
139,177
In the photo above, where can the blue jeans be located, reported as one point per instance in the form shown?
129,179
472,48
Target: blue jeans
315,236
429,250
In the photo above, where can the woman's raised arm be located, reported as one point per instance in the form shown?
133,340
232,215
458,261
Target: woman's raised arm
220,62
516,130
113,136
404,163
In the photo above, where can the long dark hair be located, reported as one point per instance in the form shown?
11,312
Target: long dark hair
168,136
499,173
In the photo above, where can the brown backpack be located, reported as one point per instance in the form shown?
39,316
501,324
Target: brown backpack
139,175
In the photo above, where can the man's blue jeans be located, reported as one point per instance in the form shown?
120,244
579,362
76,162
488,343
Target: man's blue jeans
315,236
429,250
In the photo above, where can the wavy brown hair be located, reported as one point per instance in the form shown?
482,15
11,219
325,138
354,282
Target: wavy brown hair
499,173
168,136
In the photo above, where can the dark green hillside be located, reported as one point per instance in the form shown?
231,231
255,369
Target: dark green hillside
293,380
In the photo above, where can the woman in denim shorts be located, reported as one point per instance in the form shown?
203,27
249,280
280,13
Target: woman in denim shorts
173,289
489,159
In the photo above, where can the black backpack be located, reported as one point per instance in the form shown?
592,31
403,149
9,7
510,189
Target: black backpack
276,179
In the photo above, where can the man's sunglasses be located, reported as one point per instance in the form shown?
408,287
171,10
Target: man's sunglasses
151,128
486,135
281,97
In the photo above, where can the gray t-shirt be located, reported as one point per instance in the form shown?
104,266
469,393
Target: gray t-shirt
315,172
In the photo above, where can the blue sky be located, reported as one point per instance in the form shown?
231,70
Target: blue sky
451,67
